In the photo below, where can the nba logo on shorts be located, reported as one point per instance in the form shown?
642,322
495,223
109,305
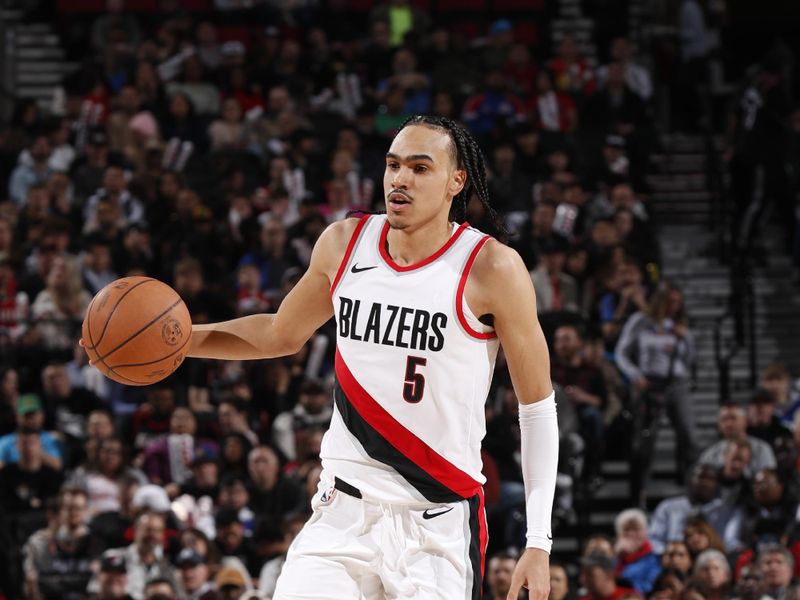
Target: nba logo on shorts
327,496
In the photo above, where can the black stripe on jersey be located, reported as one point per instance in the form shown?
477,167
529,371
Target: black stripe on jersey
475,554
381,450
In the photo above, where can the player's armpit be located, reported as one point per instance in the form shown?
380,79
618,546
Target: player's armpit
500,285
306,308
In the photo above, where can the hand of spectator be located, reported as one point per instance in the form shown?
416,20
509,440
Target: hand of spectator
641,384
579,396
680,330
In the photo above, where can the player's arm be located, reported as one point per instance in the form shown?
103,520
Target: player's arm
306,308
500,285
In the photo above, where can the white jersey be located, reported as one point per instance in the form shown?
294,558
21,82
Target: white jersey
413,369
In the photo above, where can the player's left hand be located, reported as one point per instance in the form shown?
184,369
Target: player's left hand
532,572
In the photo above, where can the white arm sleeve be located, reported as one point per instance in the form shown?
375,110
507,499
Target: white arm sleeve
539,430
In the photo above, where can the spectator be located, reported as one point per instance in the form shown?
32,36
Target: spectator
768,515
97,269
550,109
313,409
734,484
61,568
699,536
401,18
26,485
585,389
268,576
559,583
231,539
492,107
712,571
112,580
597,574
668,585
501,567
195,576
271,494
703,498
751,585
572,73
114,192
36,172
144,558
230,583
102,480
229,132
30,416
763,421
777,380
60,307
656,352
732,424
205,477
70,406
676,556
636,561
168,459
555,290
160,588
777,565
636,76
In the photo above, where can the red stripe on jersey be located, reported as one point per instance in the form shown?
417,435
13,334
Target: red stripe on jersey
403,440
402,269
489,335
484,530
350,245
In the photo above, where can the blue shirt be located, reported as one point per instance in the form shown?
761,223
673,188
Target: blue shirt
9,453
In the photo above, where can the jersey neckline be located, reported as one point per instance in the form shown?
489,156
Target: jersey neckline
418,265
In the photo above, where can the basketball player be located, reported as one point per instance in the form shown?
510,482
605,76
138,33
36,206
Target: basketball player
421,305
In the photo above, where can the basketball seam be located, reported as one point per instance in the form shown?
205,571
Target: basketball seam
154,361
113,310
156,318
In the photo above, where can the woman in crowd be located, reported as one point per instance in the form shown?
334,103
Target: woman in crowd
656,352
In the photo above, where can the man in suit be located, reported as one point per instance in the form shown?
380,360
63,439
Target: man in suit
555,290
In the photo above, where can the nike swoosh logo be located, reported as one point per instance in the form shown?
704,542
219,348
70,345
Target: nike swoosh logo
549,537
355,268
429,515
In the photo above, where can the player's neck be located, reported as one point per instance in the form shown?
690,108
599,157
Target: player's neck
413,245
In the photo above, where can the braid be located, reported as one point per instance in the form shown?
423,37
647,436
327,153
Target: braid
468,156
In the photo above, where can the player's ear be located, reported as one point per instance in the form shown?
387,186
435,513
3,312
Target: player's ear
457,181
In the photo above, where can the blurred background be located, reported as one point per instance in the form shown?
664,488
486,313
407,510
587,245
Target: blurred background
643,156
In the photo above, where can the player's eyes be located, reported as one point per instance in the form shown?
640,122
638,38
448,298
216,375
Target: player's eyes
392,165
420,169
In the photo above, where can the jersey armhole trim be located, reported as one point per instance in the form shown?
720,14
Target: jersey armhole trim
349,252
462,284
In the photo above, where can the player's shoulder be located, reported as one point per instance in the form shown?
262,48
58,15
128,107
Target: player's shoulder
332,244
338,233
497,263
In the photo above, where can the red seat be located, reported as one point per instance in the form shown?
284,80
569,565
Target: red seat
239,33
361,5
527,33
460,5
518,5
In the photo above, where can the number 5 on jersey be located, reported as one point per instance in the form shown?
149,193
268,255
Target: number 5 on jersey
414,385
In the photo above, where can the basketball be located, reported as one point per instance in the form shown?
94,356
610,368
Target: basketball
137,330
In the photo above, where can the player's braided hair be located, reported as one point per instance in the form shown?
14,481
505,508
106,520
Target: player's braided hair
468,156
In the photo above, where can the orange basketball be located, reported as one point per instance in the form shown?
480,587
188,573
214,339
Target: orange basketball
137,330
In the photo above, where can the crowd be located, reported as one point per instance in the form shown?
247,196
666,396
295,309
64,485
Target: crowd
215,167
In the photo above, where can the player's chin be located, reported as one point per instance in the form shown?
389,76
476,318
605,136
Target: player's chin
396,221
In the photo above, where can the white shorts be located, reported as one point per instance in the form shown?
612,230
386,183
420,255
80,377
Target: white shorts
357,549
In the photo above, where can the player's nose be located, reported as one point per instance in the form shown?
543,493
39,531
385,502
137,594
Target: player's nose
401,178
